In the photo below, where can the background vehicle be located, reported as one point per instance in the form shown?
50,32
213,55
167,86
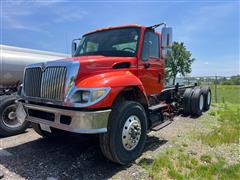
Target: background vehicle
12,64
112,86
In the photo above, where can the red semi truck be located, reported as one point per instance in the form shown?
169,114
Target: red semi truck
112,86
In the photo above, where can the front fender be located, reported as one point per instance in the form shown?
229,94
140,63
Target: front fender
117,81
110,79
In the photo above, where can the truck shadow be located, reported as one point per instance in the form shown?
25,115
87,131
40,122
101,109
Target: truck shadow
66,158
1,136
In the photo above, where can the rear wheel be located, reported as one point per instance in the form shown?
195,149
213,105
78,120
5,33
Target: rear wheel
207,98
54,132
9,124
187,100
126,136
197,102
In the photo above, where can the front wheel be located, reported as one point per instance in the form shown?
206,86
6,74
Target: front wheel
126,136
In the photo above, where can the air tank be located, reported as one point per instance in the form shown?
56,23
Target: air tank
14,59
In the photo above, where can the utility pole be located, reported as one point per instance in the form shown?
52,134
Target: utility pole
215,83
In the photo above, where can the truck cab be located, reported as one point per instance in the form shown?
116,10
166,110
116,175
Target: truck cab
113,86
132,48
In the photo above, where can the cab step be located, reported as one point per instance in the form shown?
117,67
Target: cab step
162,125
157,107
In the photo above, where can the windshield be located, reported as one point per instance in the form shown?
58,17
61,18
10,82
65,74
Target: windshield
121,42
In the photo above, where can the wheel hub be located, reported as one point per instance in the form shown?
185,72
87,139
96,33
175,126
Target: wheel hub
12,115
131,133
9,117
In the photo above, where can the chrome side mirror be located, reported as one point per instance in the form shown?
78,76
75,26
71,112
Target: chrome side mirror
166,42
166,37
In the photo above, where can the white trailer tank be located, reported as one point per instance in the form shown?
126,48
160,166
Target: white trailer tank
14,59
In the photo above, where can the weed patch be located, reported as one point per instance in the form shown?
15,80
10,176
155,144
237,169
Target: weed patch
180,165
206,158
228,131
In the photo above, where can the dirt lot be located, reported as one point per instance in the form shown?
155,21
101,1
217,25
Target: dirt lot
28,156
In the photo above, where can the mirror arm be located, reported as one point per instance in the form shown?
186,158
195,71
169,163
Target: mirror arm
157,25
76,39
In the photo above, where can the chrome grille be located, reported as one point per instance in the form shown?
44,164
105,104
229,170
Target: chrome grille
47,84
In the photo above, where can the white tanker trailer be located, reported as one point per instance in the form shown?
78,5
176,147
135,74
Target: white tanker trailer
12,63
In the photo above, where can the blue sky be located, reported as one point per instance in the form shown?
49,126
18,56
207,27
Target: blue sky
209,29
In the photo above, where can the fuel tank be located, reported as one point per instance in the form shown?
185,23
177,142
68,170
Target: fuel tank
14,59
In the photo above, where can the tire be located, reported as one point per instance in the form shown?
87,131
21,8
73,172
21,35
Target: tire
207,97
3,97
9,124
111,143
55,133
197,100
187,101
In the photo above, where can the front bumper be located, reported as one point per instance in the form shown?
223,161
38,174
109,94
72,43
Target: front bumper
84,122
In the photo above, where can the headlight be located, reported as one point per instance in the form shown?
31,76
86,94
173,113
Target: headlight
89,96
86,96
96,94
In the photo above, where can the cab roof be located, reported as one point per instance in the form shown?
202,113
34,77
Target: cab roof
115,27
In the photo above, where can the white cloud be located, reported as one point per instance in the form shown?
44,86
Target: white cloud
19,14
48,2
207,19
223,66
14,16
69,15
32,2
11,22
202,19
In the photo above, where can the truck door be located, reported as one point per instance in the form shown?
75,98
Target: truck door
150,65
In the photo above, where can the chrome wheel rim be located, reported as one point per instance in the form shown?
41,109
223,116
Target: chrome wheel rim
201,102
9,117
131,133
208,97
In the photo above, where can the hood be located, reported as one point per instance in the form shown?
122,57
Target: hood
90,65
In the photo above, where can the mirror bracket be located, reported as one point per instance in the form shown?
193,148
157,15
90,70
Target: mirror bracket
156,25
74,45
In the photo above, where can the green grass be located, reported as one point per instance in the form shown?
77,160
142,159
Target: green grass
228,131
226,93
206,158
177,163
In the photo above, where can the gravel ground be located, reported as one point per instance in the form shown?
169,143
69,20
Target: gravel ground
28,156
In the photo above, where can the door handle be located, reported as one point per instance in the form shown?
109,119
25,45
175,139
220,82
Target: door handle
146,65
159,77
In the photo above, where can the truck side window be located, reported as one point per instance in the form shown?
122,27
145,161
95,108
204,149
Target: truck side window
150,46
154,45
145,47
91,47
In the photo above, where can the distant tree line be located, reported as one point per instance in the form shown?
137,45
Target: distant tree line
233,80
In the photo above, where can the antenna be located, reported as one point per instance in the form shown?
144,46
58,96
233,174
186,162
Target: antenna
66,41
